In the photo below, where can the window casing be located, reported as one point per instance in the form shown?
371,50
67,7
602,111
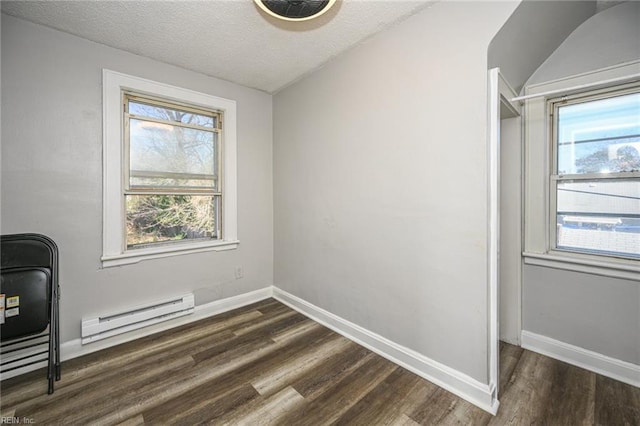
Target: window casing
170,185
541,174
595,177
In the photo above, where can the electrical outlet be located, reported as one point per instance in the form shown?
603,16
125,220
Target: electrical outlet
239,273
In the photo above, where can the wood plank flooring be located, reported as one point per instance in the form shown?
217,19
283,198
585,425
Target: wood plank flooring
267,364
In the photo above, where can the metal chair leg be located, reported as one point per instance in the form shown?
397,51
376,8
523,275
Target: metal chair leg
57,333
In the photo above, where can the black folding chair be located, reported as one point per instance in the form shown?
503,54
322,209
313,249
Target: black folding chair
29,270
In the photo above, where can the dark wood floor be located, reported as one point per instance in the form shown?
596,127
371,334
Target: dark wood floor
267,364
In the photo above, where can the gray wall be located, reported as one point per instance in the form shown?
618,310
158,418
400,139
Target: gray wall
52,174
593,312
609,38
510,229
532,33
380,177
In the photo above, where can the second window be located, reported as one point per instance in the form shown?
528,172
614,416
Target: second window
595,186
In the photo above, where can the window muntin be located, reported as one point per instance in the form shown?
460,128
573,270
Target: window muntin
595,185
172,189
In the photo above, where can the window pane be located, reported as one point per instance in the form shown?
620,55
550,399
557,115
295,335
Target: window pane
601,216
170,114
154,219
166,155
600,136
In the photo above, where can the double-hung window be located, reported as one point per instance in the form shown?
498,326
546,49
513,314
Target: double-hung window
169,170
595,177
582,172
172,185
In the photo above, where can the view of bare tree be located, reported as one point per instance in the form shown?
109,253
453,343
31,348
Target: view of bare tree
172,172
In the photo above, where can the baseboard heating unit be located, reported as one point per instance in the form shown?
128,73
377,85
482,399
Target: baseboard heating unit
141,316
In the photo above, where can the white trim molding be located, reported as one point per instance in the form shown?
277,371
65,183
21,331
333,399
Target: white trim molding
500,93
114,251
538,245
479,394
623,371
462,385
493,226
585,264
74,348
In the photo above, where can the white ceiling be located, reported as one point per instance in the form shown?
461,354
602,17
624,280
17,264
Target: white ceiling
229,39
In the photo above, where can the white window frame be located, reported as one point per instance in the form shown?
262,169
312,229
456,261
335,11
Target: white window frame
539,246
113,235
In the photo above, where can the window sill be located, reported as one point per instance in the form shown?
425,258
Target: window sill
615,268
136,256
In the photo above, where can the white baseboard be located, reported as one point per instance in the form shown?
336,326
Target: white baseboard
623,371
446,377
460,384
74,348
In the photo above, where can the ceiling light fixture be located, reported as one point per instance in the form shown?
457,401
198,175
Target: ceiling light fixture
295,10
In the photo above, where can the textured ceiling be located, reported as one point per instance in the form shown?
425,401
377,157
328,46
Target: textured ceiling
229,39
